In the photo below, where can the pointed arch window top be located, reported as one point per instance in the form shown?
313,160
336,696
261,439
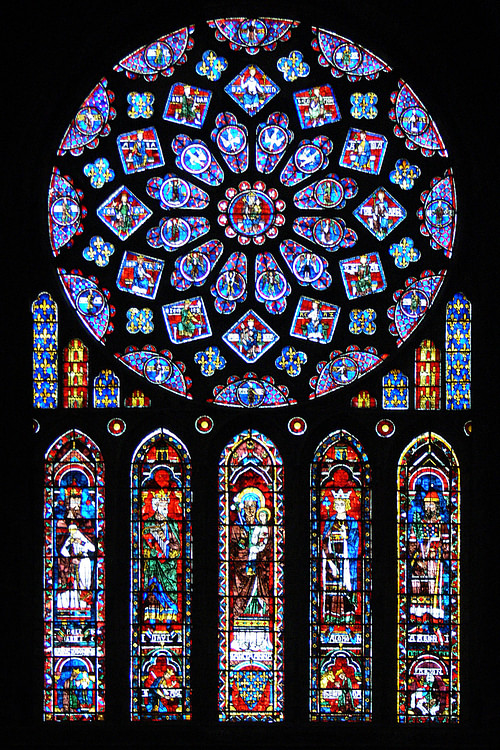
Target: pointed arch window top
161,579
251,539
74,579
340,637
428,581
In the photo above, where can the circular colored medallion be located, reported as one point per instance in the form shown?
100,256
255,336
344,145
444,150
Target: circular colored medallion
307,267
90,302
272,139
175,232
347,57
158,55
195,266
88,121
414,303
196,158
65,211
343,370
251,213
174,192
157,370
329,193
204,424
250,393
231,285
385,428
328,232
231,139
252,31
116,426
308,158
414,121
297,426
271,285
439,213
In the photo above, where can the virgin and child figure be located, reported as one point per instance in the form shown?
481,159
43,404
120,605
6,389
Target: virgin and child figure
250,555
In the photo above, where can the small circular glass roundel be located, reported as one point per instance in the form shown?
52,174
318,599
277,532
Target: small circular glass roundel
385,428
174,192
116,426
204,424
297,426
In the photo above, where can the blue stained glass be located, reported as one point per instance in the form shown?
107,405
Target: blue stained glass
187,105
309,157
232,140
395,391
458,353
252,89
316,106
271,286
194,157
272,139
106,390
293,66
194,267
199,142
45,342
211,65
231,284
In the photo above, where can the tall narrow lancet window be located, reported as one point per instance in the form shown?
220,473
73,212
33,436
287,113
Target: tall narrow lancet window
45,325
75,375
427,376
458,353
428,581
74,579
251,536
161,578
340,635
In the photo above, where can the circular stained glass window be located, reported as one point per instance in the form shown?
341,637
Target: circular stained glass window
252,212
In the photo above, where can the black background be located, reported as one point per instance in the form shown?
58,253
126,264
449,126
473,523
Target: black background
54,56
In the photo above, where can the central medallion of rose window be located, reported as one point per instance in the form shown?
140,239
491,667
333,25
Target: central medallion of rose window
251,212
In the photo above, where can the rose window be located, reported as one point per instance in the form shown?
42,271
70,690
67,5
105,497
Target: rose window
203,200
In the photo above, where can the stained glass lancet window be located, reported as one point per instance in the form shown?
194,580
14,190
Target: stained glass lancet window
106,390
251,537
395,391
74,579
45,326
428,581
75,375
458,353
340,637
427,376
161,577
